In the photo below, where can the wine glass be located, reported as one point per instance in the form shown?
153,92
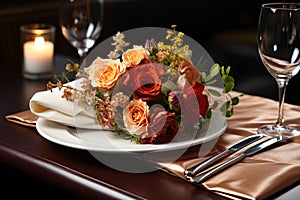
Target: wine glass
81,23
279,49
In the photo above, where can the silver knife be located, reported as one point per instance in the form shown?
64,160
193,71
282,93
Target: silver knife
249,152
234,148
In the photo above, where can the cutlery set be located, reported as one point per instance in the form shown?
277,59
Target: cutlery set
202,171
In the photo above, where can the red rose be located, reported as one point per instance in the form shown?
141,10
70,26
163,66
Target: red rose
144,81
195,102
161,129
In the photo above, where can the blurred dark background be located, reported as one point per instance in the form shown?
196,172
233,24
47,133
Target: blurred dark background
226,29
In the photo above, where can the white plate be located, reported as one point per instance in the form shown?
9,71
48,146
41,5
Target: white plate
109,142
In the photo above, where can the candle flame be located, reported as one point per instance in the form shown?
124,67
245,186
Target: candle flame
39,42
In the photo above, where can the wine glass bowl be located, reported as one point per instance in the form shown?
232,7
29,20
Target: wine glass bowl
81,23
278,41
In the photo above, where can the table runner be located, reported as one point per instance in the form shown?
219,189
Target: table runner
256,177
261,175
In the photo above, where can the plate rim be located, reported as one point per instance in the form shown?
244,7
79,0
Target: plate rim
151,147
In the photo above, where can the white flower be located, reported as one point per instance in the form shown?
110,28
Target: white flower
119,42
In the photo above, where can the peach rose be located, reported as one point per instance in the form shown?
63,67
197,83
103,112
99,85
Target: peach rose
104,73
189,70
133,57
136,116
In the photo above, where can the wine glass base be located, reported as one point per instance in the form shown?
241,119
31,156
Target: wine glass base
275,130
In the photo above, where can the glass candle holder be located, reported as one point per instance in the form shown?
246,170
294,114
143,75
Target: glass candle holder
37,42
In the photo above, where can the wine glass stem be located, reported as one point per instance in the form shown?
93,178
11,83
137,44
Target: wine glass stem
82,54
281,93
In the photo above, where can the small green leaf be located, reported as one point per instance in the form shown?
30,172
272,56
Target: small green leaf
208,78
214,92
222,70
227,104
235,101
203,75
211,82
227,79
64,76
223,108
208,114
200,61
229,113
228,87
215,104
227,70
214,70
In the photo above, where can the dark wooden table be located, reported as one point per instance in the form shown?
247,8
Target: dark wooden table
34,167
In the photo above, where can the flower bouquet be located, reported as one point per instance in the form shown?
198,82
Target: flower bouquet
152,93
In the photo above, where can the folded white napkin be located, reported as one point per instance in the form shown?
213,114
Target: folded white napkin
51,106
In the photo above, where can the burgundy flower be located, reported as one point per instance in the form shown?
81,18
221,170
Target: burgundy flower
162,127
175,98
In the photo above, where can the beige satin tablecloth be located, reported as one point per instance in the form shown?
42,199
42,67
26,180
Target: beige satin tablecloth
261,175
256,177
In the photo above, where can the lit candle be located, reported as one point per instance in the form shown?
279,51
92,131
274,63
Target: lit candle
38,56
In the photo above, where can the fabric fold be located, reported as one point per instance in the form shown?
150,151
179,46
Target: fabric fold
256,177
51,106
261,175
24,118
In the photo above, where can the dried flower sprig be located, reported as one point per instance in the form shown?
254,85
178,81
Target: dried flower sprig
175,52
119,44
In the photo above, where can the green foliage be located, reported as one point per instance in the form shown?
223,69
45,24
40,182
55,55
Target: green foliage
228,81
